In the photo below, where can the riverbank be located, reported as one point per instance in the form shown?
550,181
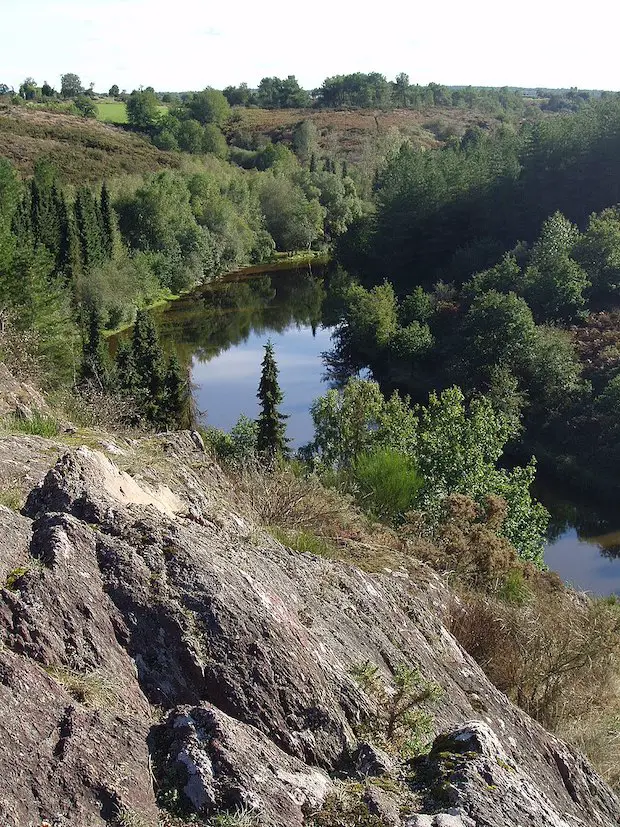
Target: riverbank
280,262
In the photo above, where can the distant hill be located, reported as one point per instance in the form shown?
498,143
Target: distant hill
81,149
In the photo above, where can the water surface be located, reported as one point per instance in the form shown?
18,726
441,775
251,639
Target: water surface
219,332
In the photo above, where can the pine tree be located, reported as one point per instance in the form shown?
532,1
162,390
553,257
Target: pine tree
108,223
271,440
148,360
69,257
125,367
176,395
96,364
88,227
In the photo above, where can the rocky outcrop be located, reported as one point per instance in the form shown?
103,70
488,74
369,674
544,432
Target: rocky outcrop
159,646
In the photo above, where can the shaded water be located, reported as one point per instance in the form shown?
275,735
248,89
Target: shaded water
220,332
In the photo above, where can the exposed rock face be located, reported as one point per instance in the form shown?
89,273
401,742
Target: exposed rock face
19,398
155,594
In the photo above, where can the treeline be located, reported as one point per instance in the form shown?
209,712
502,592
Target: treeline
124,245
520,333
371,90
449,212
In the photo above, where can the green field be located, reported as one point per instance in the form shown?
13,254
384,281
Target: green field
116,111
112,112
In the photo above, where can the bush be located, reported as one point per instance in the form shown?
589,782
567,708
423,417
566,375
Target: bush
556,656
387,483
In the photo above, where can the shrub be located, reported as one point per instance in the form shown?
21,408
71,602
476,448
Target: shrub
387,483
555,656
401,723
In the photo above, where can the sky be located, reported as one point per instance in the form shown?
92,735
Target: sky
189,44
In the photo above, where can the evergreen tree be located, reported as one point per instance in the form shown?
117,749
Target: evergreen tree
88,227
126,367
108,223
271,440
148,359
96,364
176,395
69,257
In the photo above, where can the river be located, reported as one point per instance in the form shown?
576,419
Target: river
220,332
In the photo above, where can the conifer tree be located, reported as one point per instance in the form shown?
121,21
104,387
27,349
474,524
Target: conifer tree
69,258
271,442
88,227
149,366
176,395
108,223
125,367
96,363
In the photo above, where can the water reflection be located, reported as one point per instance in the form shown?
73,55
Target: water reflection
583,541
220,332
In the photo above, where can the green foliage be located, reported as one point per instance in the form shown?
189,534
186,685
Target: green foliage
142,110
85,106
271,441
209,106
387,483
237,447
402,723
454,448
38,425
70,85
281,93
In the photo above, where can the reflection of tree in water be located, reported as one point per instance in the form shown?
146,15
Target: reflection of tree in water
224,314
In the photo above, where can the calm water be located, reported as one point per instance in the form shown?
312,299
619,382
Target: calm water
220,333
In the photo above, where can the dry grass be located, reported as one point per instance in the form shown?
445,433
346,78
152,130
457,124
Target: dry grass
558,657
82,150
317,519
92,689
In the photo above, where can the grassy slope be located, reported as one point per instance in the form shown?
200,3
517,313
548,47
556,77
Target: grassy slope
83,150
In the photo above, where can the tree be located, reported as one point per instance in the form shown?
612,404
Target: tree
213,141
209,106
70,85
175,406
113,91
96,364
47,91
85,106
190,136
28,89
108,223
142,110
271,442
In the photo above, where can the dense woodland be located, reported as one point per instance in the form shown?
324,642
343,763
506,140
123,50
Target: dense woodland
502,258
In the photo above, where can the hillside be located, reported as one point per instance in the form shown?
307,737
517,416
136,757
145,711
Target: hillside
163,659
346,131
81,150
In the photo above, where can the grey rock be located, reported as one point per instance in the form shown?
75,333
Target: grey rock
383,805
371,760
158,589
226,765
